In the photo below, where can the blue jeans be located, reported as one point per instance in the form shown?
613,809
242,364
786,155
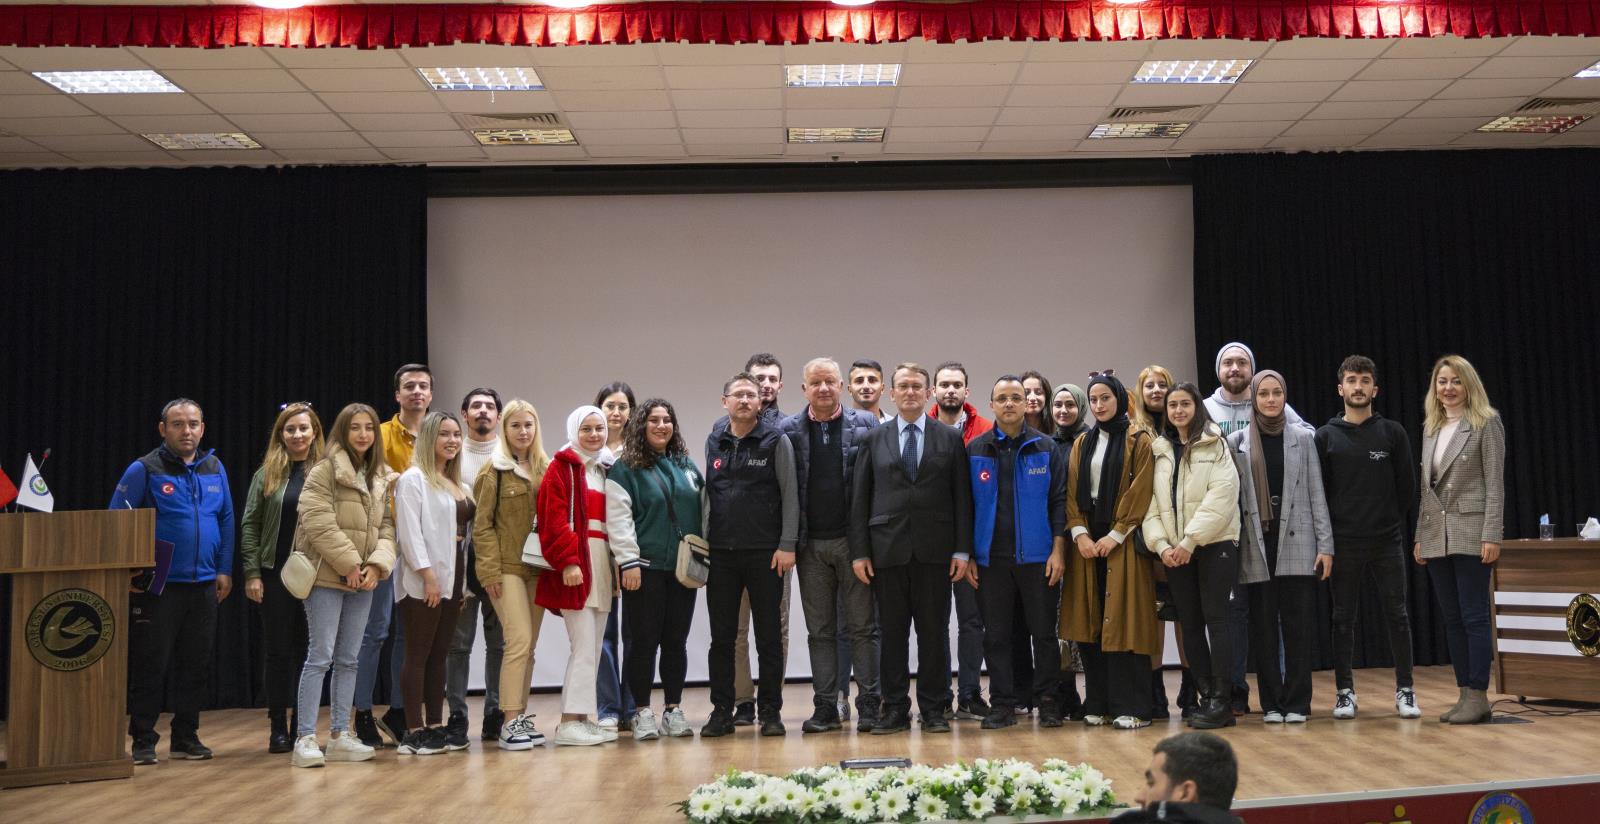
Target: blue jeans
335,620
1461,583
380,620
615,699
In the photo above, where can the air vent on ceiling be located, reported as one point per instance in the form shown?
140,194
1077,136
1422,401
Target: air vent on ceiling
1163,113
523,120
1552,105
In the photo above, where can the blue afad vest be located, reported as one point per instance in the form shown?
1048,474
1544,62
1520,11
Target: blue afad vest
1031,504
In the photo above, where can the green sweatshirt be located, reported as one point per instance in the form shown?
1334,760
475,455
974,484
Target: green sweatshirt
658,541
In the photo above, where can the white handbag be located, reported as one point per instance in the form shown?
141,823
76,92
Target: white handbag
299,574
532,550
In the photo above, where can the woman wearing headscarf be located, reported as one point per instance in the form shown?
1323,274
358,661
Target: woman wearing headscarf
572,535
1108,595
1288,544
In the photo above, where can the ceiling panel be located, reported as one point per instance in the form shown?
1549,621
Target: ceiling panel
932,134
1048,116
1263,128
356,80
1389,89
978,116
1282,92
1278,71
1307,48
1375,108
844,53
1078,73
1335,127
1438,67
729,118
389,102
730,99
953,97
69,59
14,82
1435,125
1473,107
174,123
610,101
1548,46
647,150
400,122
68,144
320,155
1221,144
934,148
1063,95
492,102
288,122
1029,147
136,104
1019,134
1219,49
270,103
345,58
826,118
735,149
621,120
601,78
408,140
30,126
725,77
278,141
1092,50
1447,46
40,105
243,57
993,51
731,136
1259,111
959,74
636,137
1493,88
196,81
1163,94
709,54
843,98
1547,67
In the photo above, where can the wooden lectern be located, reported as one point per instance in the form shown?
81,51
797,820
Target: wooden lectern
67,718
1546,634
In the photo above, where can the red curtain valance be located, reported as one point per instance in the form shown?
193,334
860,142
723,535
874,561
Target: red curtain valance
389,26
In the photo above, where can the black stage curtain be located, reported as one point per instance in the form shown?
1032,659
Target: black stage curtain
243,289
1403,257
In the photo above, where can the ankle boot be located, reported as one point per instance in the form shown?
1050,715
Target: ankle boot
1451,713
1187,695
1160,708
1475,709
1217,711
279,741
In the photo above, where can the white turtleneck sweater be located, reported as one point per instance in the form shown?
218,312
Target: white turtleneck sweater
474,456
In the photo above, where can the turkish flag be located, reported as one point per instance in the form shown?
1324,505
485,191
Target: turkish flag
8,490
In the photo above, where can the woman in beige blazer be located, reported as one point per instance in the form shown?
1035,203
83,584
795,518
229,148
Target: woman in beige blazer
1459,522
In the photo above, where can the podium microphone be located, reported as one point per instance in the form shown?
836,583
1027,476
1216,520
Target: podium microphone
42,459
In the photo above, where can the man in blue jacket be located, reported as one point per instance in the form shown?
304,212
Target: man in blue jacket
174,630
1018,519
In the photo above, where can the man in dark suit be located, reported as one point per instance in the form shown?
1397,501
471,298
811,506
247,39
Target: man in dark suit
910,538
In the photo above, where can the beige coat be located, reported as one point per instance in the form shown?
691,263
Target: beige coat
1126,620
343,523
506,502
1207,507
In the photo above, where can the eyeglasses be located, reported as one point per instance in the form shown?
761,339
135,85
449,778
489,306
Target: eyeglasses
1011,399
1104,373
283,406
743,396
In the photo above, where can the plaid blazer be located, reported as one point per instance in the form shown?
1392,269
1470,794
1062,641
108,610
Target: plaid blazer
1463,504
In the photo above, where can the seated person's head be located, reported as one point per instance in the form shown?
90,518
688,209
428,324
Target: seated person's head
1191,768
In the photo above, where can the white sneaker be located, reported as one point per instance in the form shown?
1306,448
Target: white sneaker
519,734
347,747
306,752
843,705
1344,706
578,734
1272,717
608,734
644,725
1128,722
677,725
608,724
1294,718
1095,720
1405,703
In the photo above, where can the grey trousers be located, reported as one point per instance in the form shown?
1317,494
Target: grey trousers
459,661
827,581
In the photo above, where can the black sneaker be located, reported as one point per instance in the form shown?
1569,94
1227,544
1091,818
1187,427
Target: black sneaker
824,719
455,733
1241,701
144,753
867,715
934,721
972,708
493,722
1050,714
191,749
421,741
720,724
772,726
393,724
998,718
366,729
744,715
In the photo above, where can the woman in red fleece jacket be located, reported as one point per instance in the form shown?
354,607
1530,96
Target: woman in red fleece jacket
572,533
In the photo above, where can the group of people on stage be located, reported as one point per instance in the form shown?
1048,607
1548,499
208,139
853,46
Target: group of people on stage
1064,530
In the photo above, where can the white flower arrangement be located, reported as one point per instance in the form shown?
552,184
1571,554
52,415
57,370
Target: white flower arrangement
828,795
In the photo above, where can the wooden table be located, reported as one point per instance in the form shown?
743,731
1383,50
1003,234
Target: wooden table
1534,584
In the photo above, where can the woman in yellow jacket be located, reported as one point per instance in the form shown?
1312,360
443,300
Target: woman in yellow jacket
1108,595
1192,526
348,531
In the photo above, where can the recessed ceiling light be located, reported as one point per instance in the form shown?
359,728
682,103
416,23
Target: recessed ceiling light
501,79
1108,131
852,3
1534,123
140,81
1191,71
1592,71
184,141
835,135
525,137
820,75
280,4
568,4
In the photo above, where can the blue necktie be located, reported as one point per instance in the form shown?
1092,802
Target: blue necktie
908,455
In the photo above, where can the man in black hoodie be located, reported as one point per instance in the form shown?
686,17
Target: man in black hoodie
1371,488
1191,778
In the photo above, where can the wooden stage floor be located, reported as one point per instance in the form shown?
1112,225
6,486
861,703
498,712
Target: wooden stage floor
638,782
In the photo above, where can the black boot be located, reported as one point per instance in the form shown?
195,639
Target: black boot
1216,711
1160,708
1188,696
280,741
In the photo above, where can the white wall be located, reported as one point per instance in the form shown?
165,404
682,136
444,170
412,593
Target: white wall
548,298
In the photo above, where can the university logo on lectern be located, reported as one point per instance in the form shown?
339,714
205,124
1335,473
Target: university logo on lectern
70,629
1583,624
1501,808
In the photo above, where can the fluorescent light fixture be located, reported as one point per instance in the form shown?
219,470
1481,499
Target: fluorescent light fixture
525,137
1110,131
1534,123
567,4
1191,71
835,135
1592,71
824,75
185,141
121,81
852,3
501,79
280,4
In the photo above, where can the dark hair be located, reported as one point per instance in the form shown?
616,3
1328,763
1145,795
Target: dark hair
867,363
636,450
763,359
177,402
1360,365
953,366
742,376
1205,759
1047,422
411,367
339,441
913,367
486,392
1197,426
613,388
